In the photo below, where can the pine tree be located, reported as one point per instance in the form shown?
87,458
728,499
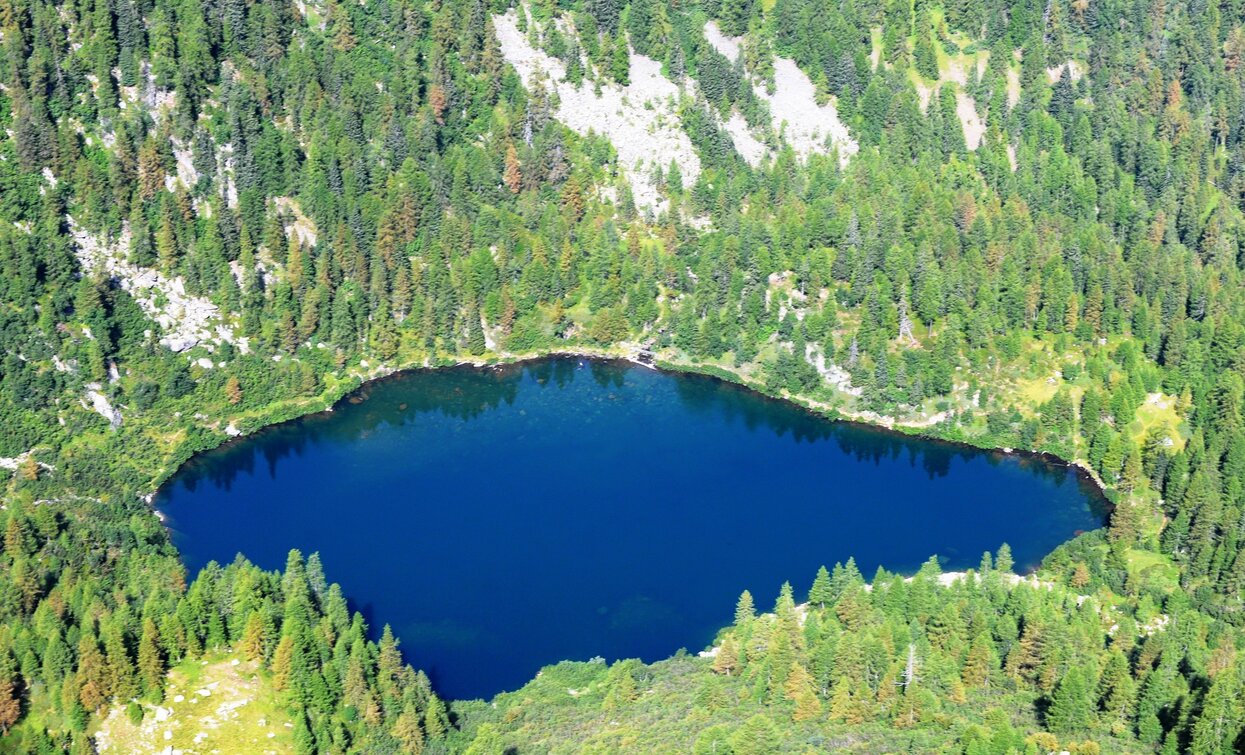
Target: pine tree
10,692
1117,690
475,332
166,243
1131,475
436,720
304,739
1219,723
19,539
150,171
487,741
925,58
756,736
843,707
977,665
29,469
778,659
253,639
343,31
620,62
92,681
282,663
735,16
1003,559
1080,576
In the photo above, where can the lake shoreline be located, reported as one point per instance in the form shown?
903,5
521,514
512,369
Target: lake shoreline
710,452
633,355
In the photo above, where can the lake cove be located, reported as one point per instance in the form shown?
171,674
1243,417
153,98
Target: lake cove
501,519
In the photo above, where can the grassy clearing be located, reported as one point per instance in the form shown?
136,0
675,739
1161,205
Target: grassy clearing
216,705
1149,566
1158,412
1034,392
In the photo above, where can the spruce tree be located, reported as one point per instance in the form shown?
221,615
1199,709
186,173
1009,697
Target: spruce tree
745,612
821,592
1071,708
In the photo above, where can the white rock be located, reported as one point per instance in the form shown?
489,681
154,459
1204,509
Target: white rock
808,127
101,405
1054,74
302,226
751,149
186,172
974,127
641,120
184,319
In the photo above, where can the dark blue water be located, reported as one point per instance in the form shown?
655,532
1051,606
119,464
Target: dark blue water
503,519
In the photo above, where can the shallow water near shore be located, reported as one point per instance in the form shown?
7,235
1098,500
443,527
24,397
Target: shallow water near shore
501,519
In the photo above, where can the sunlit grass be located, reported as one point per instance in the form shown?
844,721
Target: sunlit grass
240,713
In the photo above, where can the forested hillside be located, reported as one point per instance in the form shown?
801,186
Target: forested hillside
1010,223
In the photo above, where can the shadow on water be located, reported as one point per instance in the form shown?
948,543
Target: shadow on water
709,395
463,393
467,393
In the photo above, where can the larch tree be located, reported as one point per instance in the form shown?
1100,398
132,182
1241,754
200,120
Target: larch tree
726,661
512,174
233,390
799,689
151,661
10,692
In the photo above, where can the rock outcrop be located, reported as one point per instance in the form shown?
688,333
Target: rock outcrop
641,120
100,404
808,127
184,319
